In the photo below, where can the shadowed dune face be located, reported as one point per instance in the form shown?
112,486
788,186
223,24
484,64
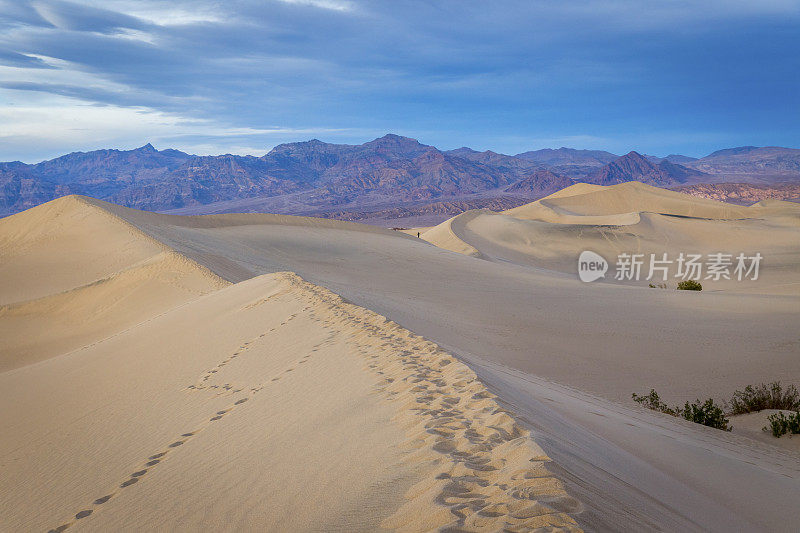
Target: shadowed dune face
632,218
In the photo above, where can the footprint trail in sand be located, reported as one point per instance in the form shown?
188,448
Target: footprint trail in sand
480,470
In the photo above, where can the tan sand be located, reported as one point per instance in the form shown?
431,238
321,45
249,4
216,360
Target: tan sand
270,404
103,275
564,356
413,231
752,425
632,218
45,327
65,244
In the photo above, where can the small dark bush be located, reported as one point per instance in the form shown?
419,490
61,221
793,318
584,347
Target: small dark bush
708,413
780,424
659,286
765,396
652,401
690,285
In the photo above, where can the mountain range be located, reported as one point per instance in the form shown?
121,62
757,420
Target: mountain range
324,179
633,165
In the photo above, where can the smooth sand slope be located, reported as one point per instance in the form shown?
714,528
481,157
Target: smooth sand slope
633,218
565,355
269,404
72,274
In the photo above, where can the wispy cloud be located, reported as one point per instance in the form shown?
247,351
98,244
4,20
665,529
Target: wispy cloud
450,72
335,5
68,124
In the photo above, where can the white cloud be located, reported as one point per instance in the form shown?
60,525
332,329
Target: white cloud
62,73
137,35
63,124
69,79
334,5
171,14
60,119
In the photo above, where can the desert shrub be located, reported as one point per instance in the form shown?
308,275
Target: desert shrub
652,401
765,396
690,285
708,413
780,424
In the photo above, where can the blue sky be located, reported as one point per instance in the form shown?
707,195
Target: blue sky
663,77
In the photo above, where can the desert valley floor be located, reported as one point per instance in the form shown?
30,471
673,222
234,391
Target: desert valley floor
269,372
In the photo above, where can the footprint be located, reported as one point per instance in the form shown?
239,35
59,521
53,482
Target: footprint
157,456
176,444
129,482
140,473
187,434
83,514
152,463
104,499
215,418
240,401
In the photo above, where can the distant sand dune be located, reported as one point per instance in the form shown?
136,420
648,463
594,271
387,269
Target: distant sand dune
631,218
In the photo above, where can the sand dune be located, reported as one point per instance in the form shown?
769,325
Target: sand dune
104,276
129,416
578,350
160,397
632,218
636,197
41,328
65,244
